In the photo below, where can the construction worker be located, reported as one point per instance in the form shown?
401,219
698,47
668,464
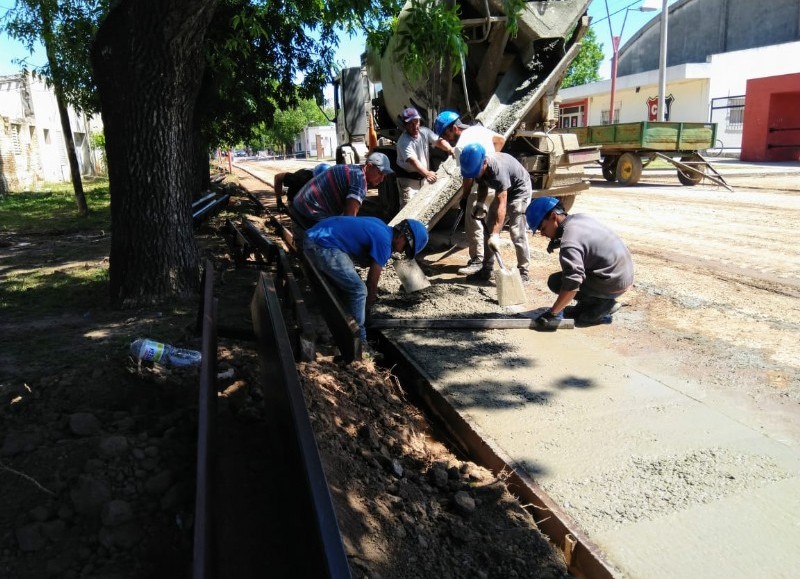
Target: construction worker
448,125
294,181
512,185
340,190
333,245
596,266
413,155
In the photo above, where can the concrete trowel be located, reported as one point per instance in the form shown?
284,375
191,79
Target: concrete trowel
411,275
510,290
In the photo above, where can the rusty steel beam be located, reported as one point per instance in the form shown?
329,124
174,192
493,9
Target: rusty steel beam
202,557
462,323
323,544
584,559
341,324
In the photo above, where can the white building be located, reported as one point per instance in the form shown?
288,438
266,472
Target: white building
32,144
714,48
317,142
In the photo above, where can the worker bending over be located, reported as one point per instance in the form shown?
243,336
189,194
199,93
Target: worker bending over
334,244
596,266
340,190
448,125
293,181
512,185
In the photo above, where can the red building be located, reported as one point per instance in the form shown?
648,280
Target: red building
771,129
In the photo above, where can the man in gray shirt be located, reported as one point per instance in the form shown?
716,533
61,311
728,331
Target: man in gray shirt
413,155
596,266
512,185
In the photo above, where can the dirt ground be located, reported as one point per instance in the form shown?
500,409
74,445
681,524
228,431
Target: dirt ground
96,463
97,452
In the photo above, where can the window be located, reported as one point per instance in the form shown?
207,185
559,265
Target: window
735,116
16,146
604,115
570,117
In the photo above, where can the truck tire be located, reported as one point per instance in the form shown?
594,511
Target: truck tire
609,166
629,169
690,178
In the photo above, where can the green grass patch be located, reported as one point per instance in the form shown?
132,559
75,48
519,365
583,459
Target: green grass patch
54,209
46,291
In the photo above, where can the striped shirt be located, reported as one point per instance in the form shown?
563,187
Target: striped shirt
325,195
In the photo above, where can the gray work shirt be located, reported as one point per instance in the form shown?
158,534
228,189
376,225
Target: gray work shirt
408,147
505,173
593,258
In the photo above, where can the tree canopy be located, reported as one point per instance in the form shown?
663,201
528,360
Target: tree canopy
584,69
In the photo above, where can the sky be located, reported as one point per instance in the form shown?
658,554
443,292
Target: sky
351,48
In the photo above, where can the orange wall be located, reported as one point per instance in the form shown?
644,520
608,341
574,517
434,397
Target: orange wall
772,119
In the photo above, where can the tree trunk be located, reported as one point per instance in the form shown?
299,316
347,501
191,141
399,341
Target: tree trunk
148,65
63,113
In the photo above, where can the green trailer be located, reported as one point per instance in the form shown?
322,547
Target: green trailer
627,148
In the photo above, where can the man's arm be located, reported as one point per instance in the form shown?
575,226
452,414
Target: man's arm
351,207
430,176
279,189
498,141
563,300
499,205
448,148
373,275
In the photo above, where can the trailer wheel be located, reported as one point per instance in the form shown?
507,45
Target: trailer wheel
609,166
629,169
690,178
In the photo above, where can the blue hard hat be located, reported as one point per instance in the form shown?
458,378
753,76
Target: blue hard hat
443,121
416,235
538,210
471,160
321,168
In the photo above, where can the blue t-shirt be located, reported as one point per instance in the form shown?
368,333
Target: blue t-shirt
325,195
360,237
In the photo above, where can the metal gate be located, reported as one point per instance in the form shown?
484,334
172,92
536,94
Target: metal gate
728,114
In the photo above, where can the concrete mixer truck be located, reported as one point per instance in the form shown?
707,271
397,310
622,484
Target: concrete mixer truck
506,83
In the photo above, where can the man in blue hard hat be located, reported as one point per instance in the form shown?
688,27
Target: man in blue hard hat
340,190
449,126
512,185
334,244
596,266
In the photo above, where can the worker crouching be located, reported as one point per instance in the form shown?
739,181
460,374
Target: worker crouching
596,266
335,244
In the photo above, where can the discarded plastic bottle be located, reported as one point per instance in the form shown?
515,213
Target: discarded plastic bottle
164,354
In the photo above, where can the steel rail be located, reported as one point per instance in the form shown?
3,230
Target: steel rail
202,559
326,554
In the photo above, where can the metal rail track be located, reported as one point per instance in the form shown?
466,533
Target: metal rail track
322,546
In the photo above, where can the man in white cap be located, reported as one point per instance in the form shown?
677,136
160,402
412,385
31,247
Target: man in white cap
340,190
413,155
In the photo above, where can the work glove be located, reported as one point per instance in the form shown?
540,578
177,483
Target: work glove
494,242
548,321
480,211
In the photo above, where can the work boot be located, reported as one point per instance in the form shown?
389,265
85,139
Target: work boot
482,275
474,265
593,311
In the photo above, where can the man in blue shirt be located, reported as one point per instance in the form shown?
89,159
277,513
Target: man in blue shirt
334,244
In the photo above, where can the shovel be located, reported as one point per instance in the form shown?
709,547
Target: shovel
510,290
411,275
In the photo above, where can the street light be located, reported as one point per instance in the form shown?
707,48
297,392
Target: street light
662,63
647,6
